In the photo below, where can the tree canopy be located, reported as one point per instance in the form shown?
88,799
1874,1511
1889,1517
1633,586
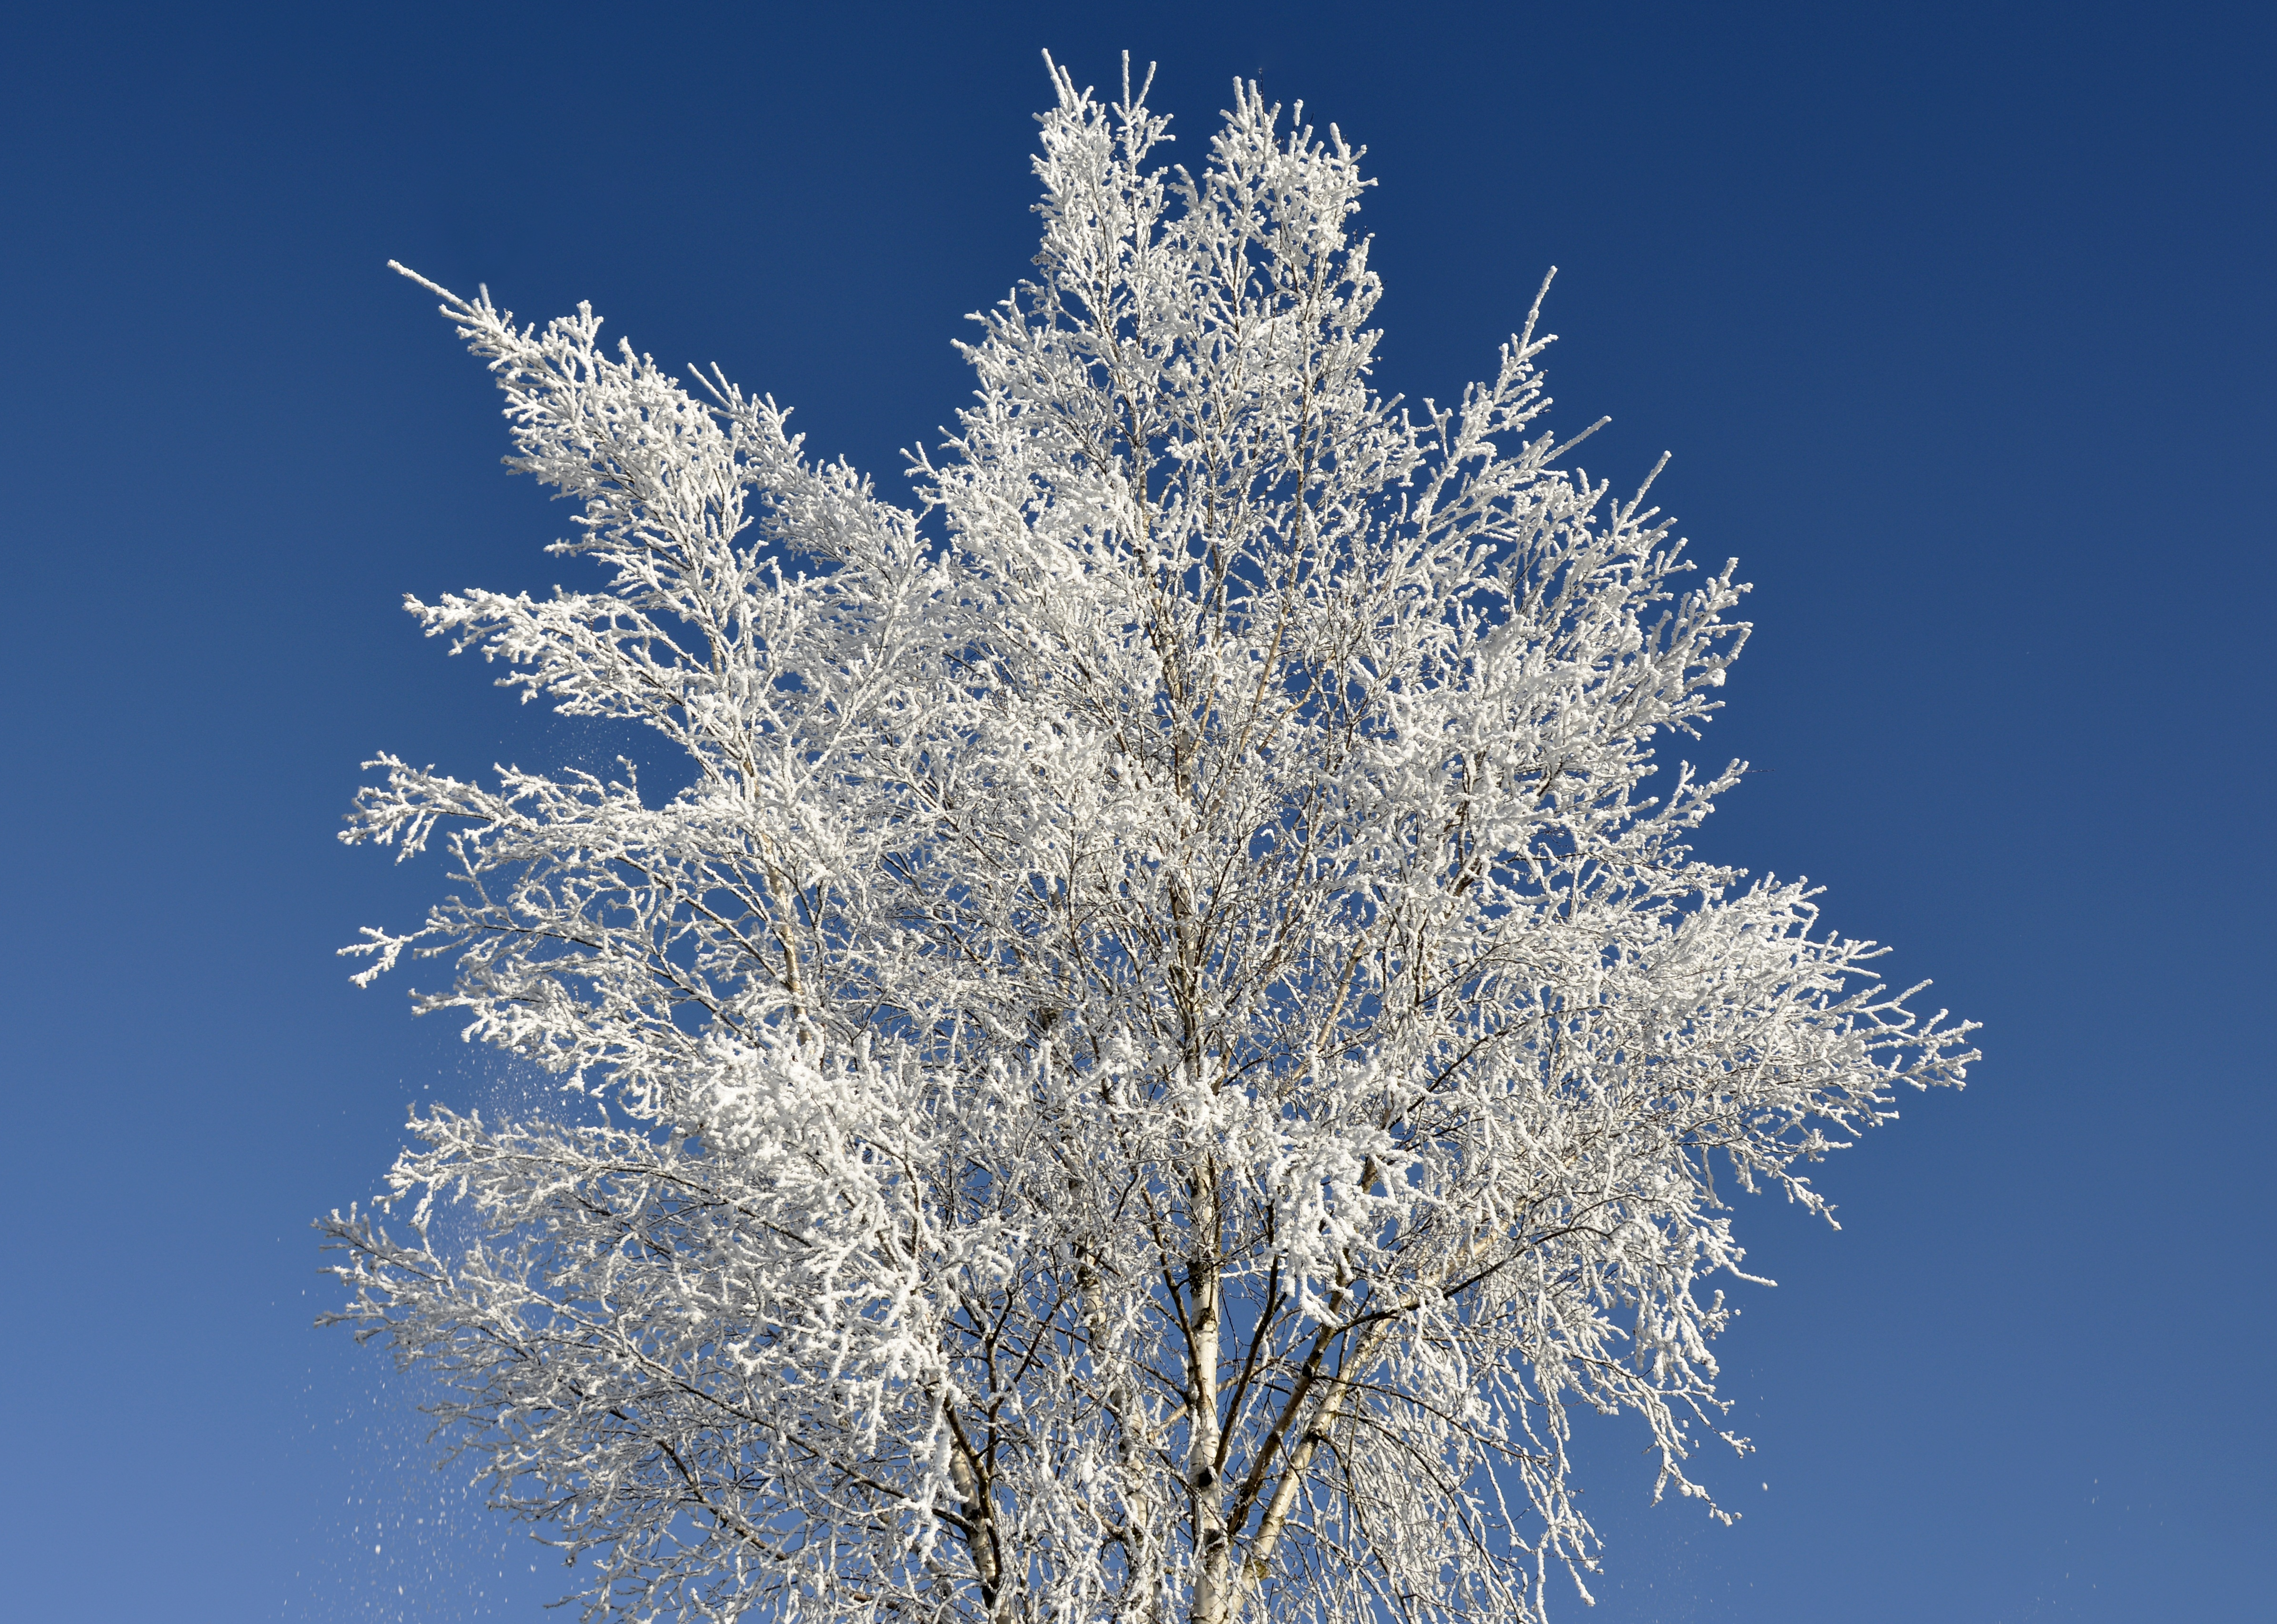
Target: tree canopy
1168,1033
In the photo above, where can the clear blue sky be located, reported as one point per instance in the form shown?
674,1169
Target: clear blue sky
1958,319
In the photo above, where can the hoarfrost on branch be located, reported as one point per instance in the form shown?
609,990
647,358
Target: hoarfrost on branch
1172,1036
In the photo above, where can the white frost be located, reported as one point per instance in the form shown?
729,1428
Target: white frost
1163,1049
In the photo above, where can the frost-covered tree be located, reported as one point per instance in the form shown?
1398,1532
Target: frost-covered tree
1166,1033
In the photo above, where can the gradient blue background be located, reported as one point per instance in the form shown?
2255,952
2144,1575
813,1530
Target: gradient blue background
1959,321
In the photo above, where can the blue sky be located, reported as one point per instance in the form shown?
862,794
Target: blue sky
1957,319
